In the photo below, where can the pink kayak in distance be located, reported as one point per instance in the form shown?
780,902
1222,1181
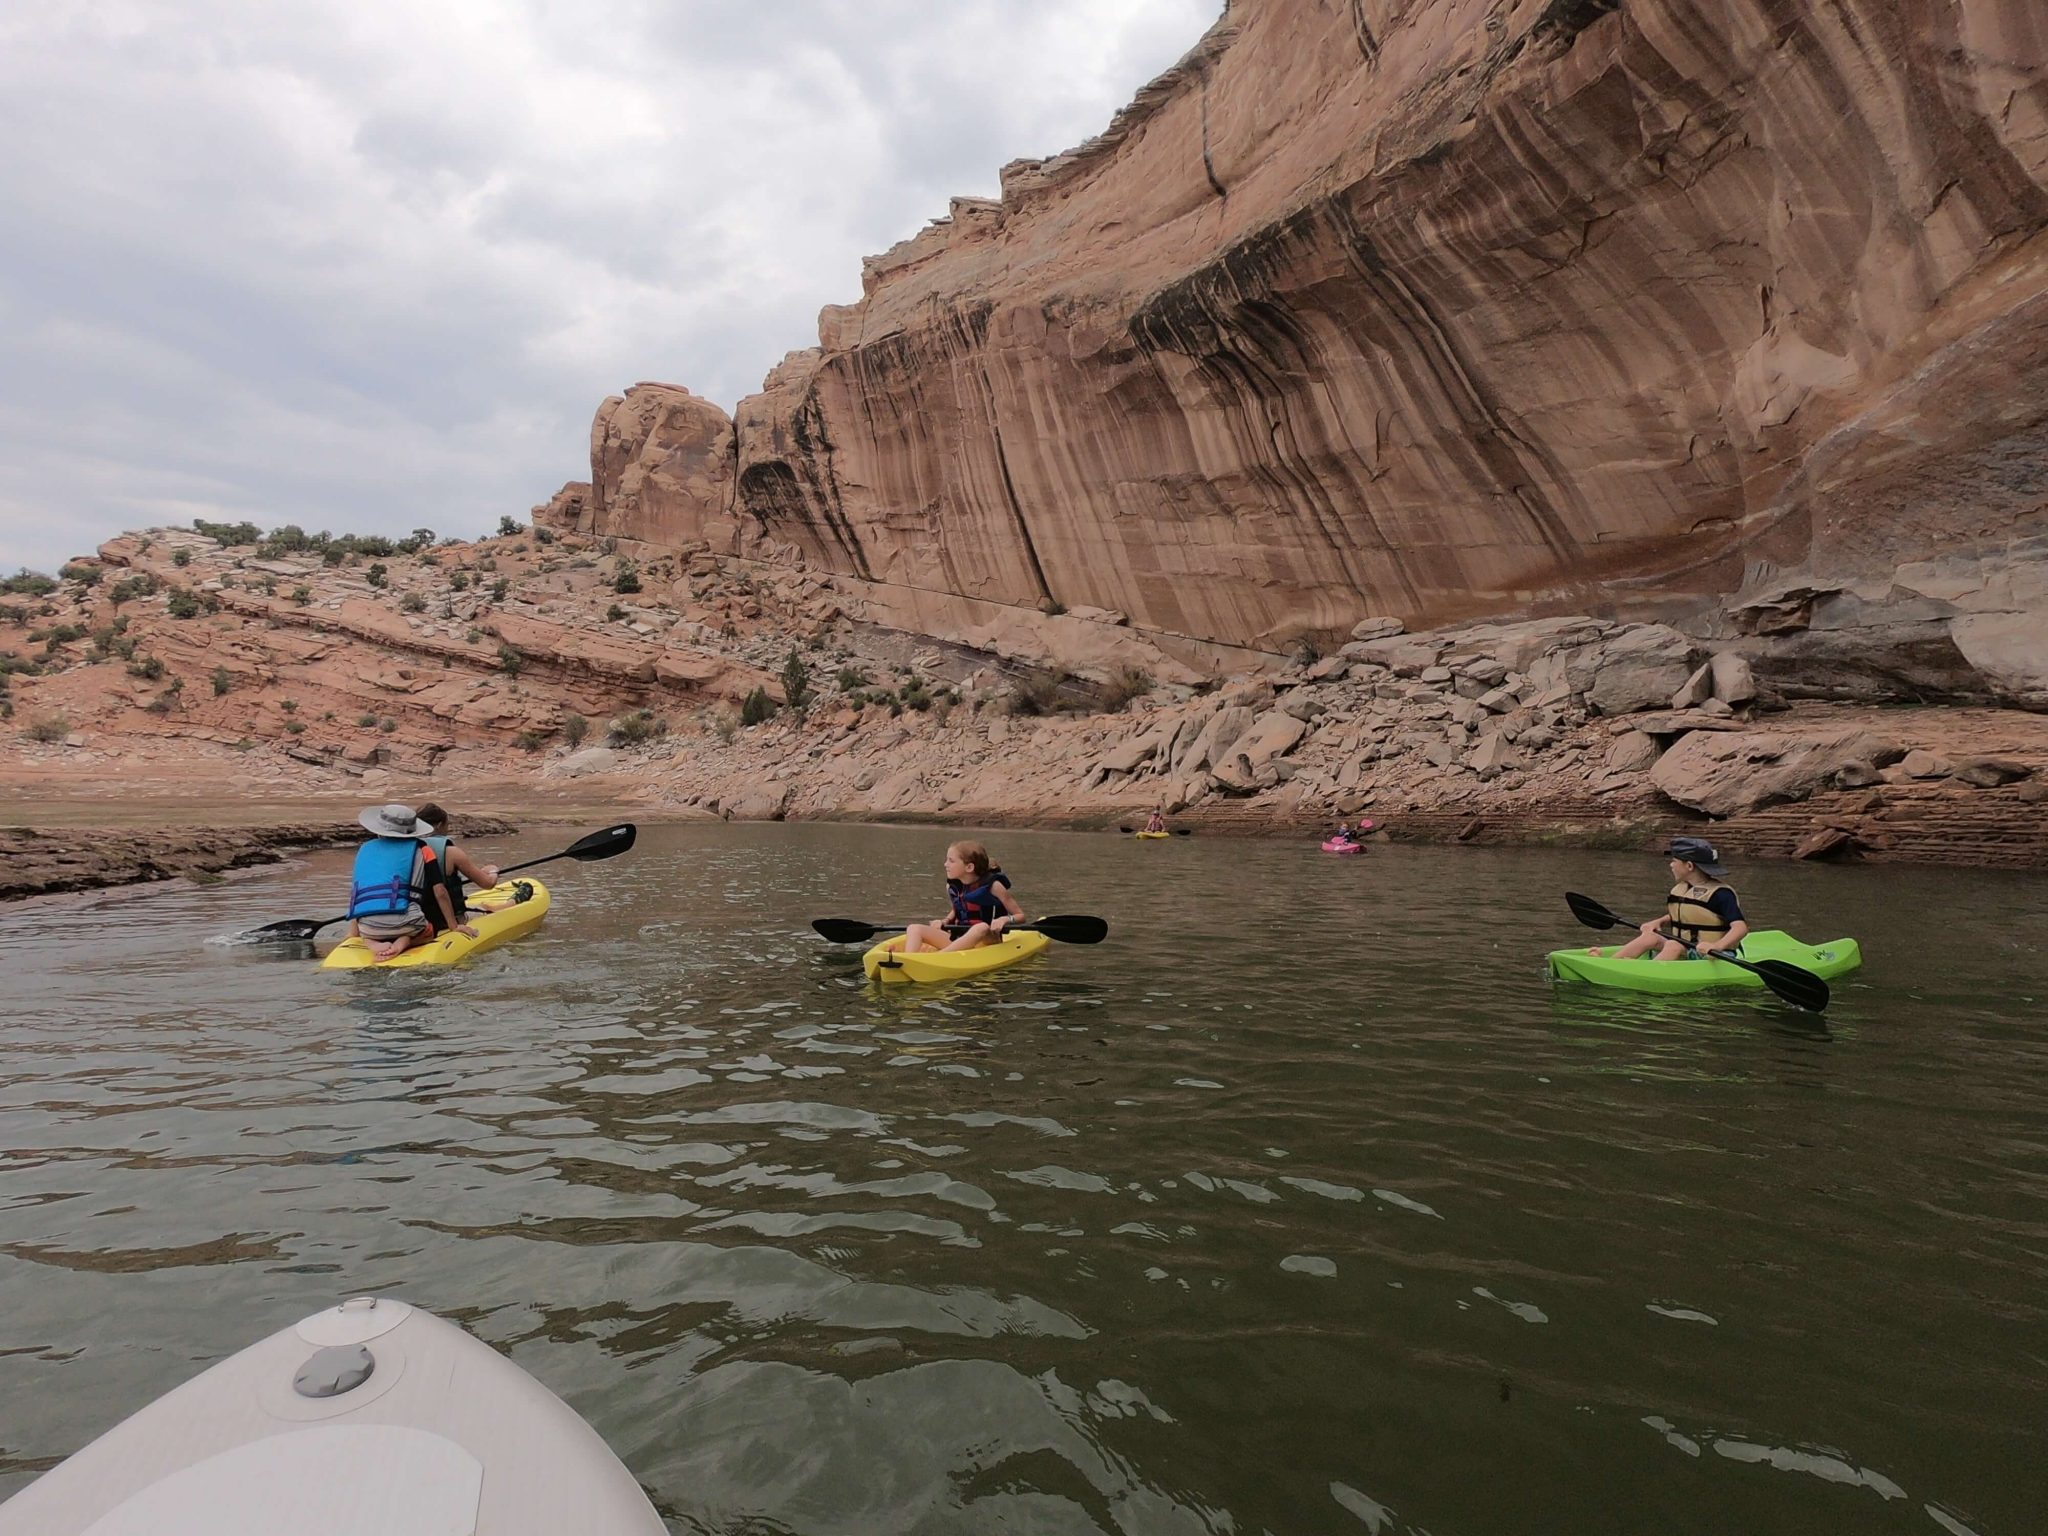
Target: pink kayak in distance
1341,844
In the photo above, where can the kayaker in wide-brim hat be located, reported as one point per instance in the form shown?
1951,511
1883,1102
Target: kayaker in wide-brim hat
1701,918
396,874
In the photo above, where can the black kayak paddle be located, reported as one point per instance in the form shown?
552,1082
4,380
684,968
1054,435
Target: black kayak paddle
609,843
1796,985
1069,928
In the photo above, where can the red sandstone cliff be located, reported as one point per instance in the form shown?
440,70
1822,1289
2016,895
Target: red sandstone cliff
1431,308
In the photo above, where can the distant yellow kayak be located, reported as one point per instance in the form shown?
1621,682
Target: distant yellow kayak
497,915
886,964
1151,834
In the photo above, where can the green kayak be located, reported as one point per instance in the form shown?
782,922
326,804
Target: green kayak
1835,958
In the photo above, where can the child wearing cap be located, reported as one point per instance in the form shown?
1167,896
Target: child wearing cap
1701,915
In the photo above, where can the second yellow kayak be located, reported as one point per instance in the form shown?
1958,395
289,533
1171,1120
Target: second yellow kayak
886,964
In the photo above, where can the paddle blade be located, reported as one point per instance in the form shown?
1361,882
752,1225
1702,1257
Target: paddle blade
291,930
1070,928
1592,914
1801,988
843,930
609,843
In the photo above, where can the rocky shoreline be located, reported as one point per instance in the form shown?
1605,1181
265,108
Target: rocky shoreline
51,861
508,675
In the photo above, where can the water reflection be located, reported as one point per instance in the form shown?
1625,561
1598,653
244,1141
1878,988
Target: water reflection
1224,1225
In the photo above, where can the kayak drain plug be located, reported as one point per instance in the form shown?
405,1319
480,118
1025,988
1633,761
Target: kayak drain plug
334,1370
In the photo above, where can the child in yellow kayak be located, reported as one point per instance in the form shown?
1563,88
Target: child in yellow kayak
982,905
1701,910
1156,822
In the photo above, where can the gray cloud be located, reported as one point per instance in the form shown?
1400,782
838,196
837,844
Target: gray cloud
371,266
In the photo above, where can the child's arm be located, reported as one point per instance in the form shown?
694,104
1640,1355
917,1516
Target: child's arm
1012,913
1732,939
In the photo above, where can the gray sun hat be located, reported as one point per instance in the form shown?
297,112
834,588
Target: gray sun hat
1699,853
393,821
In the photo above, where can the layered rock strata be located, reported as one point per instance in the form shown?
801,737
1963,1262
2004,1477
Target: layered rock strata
1434,308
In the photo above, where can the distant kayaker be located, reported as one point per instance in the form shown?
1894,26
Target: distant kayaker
454,865
1343,833
982,906
396,875
1701,913
1155,822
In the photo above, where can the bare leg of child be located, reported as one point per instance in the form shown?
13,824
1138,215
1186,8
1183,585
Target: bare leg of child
1638,945
923,936
1672,950
972,938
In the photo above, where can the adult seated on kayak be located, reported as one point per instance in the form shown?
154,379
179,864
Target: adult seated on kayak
395,878
1155,822
982,905
1701,913
1343,833
453,865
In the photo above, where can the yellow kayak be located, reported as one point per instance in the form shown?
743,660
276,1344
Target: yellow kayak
497,915
886,964
1151,834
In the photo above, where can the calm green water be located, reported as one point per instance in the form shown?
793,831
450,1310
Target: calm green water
1305,1204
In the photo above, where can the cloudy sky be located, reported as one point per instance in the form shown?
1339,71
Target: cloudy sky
369,265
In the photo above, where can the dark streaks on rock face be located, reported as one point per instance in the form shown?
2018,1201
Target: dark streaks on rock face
1506,307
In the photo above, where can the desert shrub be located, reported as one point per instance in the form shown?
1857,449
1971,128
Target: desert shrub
488,563
302,595
227,533
182,605
914,695
628,577
1126,684
78,571
162,704
458,580
366,721
474,636
725,725
757,708
378,575
851,678
387,725
507,526
181,557
289,706
50,728
634,727
543,536
28,583
413,602
222,682
510,659
413,543
574,729
499,588
61,635
141,584
1041,693
531,740
796,681
615,613
296,727
148,668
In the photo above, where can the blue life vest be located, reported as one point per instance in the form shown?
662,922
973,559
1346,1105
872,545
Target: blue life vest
383,876
977,903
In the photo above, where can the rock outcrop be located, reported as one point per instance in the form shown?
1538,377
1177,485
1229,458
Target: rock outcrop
1436,309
